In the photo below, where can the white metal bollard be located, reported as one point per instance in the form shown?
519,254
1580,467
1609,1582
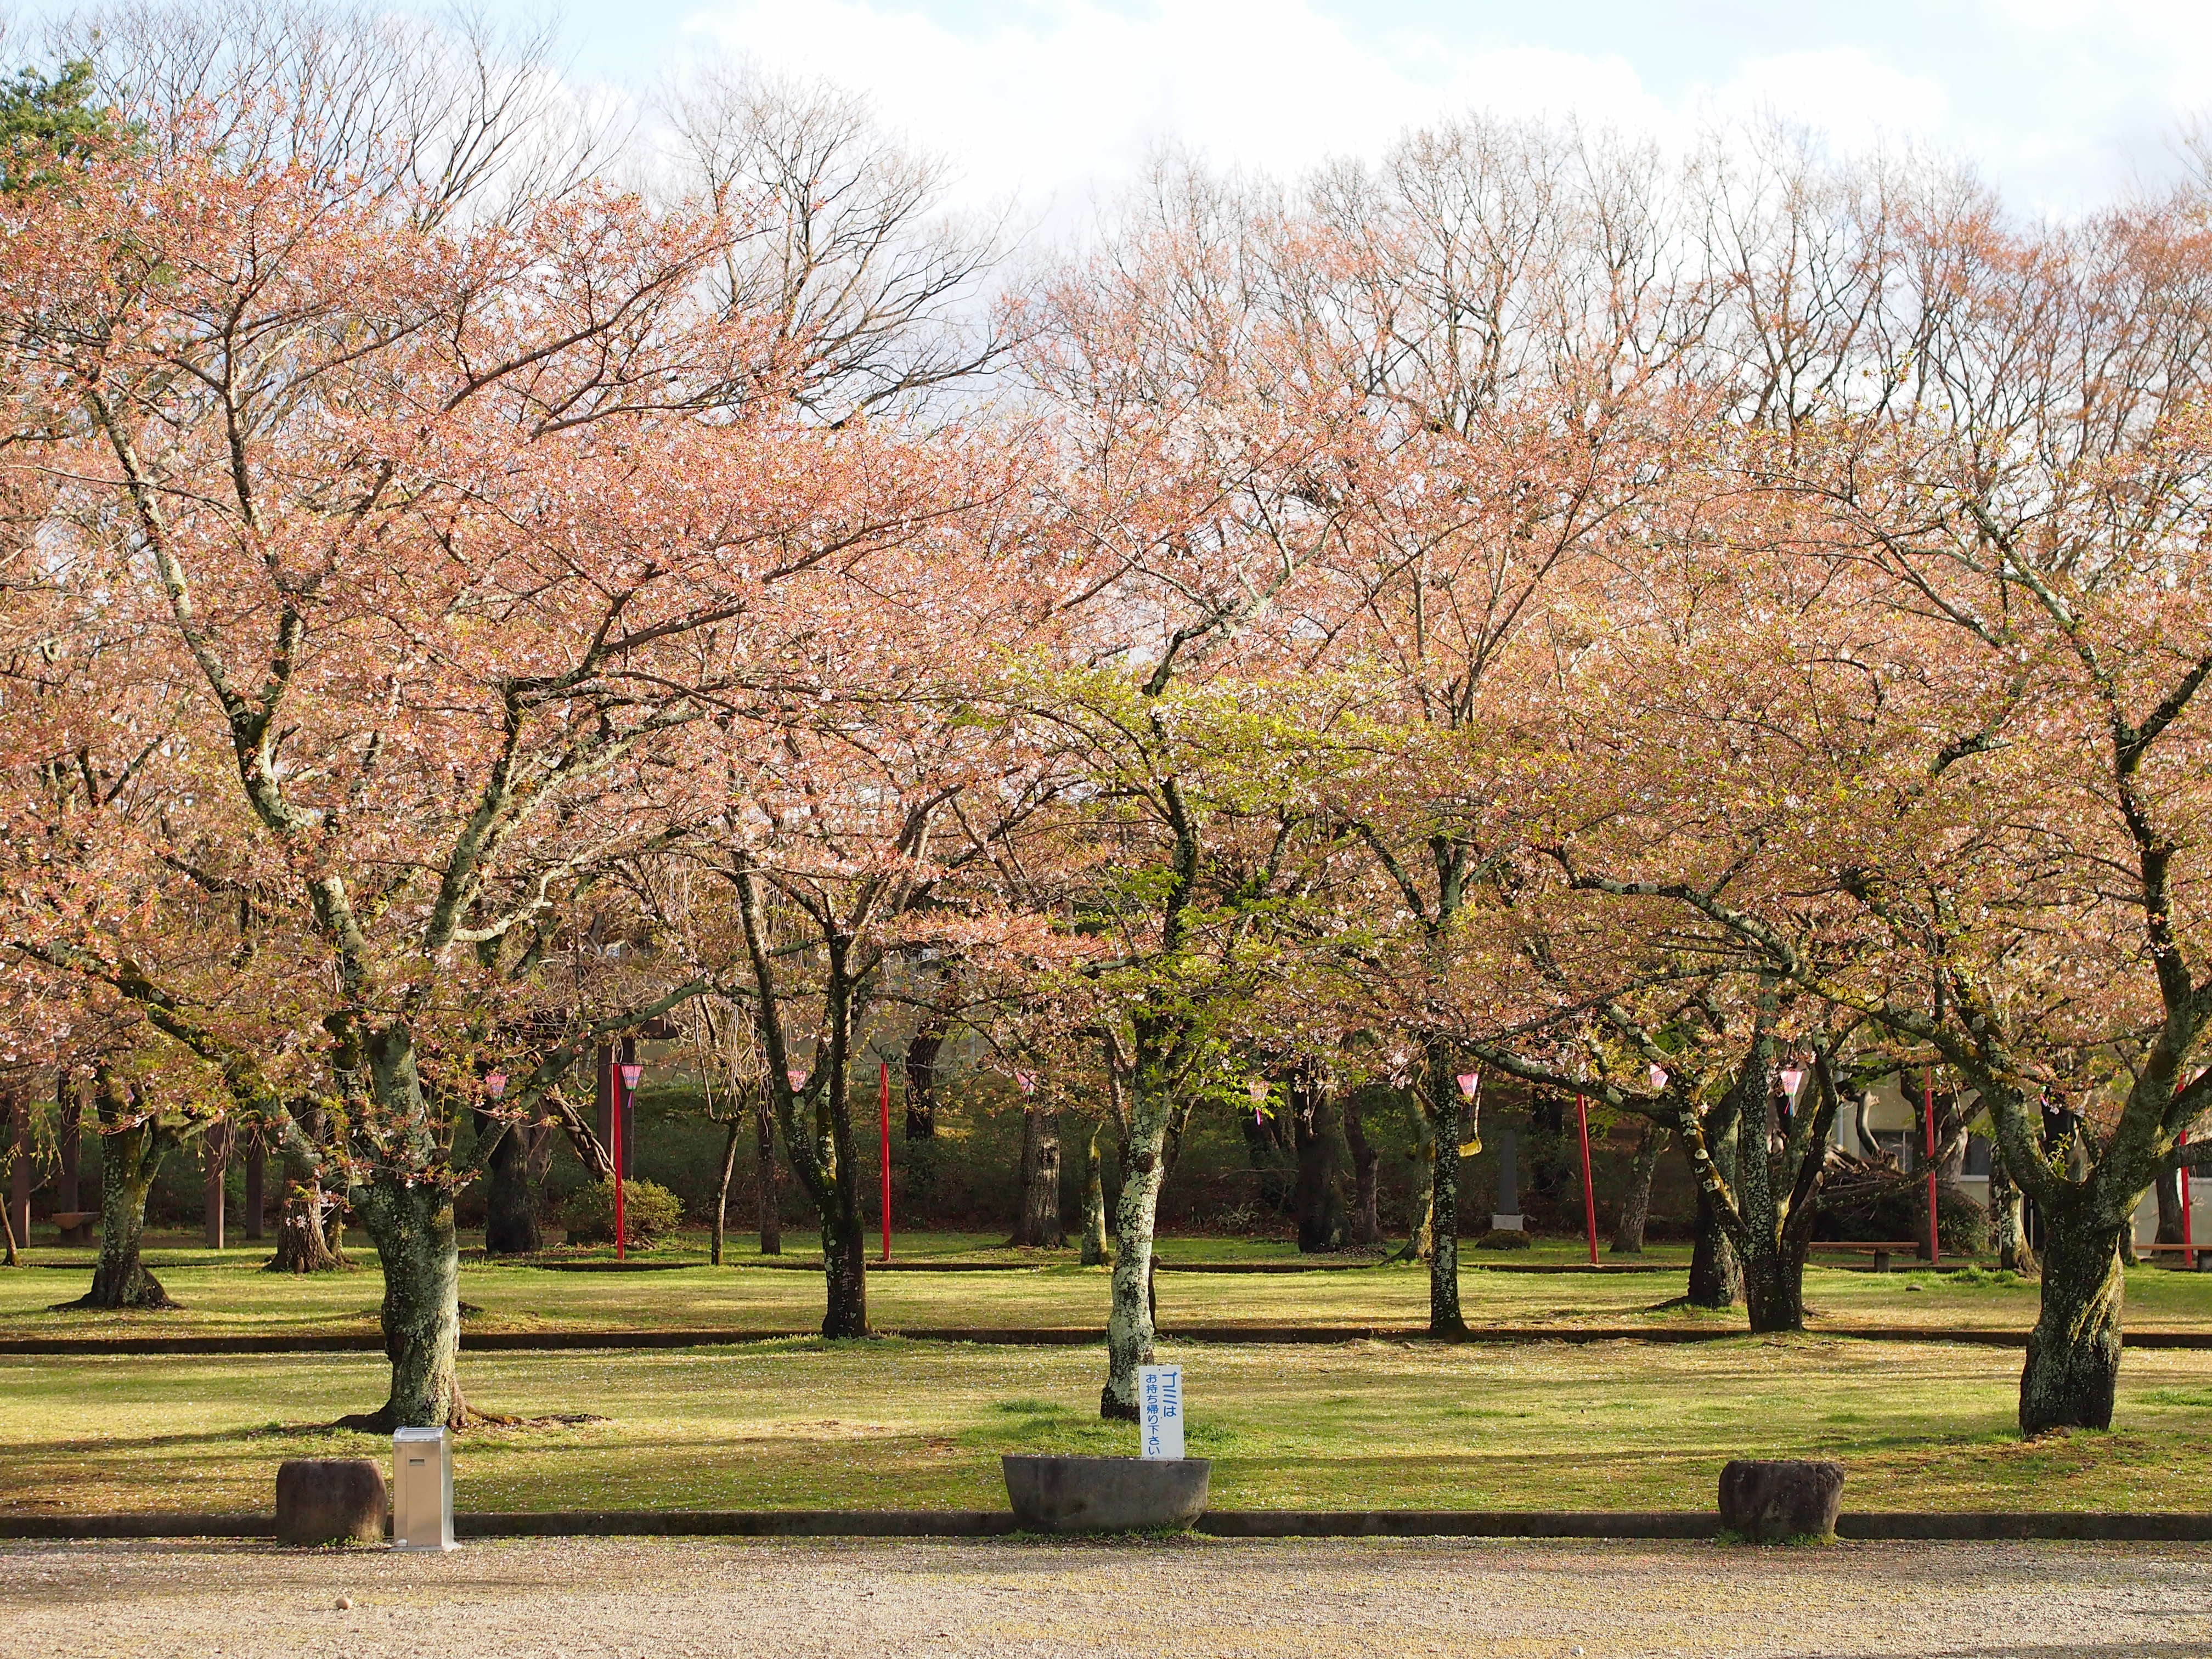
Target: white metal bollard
422,1489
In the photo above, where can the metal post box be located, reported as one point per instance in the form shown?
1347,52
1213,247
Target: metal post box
422,1489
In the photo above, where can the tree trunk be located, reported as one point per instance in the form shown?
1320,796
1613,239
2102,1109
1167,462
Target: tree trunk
411,1224
310,1226
2168,1189
1039,1226
722,1189
1443,1110
257,1199
2009,1218
1274,1172
303,1235
1550,1176
1094,1203
770,1221
2074,1351
510,1207
70,1107
1364,1227
215,1148
1773,1263
1636,1203
1318,1198
1716,1270
845,1266
921,1052
130,1159
1774,1288
18,1175
921,1146
1129,1319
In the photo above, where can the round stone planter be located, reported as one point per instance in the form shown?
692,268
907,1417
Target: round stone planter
1106,1494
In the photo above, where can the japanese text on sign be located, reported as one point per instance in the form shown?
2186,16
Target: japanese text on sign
1159,1393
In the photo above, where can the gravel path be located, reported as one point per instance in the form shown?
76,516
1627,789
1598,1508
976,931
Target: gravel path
591,1599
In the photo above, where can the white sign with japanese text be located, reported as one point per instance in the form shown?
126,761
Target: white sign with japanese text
1159,1396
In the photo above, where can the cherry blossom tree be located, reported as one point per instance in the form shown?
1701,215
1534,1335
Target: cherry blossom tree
451,532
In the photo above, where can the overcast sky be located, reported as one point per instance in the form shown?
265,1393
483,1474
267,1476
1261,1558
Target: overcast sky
2063,102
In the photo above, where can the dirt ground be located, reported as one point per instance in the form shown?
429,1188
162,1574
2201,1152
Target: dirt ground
584,1599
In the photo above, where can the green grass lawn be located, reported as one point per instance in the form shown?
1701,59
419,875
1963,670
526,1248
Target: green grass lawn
802,1424
896,1424
226,1292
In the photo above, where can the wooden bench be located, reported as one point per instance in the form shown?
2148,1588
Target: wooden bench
76,1225
1881,1249
2201,1251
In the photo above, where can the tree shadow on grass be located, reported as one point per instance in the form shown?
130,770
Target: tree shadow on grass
10,1451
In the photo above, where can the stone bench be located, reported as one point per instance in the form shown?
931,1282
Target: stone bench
331,1500
1772,1501
76,1225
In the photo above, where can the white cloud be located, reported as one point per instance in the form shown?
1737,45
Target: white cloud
1855,98
1054,99
1061,97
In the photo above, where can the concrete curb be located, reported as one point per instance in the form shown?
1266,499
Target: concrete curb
1278,1335
1870,1526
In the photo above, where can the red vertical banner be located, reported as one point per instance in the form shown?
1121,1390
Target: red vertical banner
1589,1196
1928,1113
884,1102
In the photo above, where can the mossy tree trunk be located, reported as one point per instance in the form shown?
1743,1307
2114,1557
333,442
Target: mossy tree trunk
131,1158
1443,1110
411,1224
1774,1289
1767,1206
2086,1190
2008,1218
2073,1368
1716,1270
1129,1328
845,1266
